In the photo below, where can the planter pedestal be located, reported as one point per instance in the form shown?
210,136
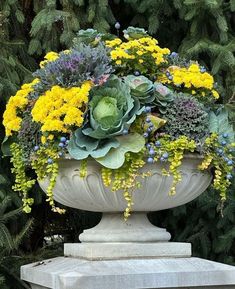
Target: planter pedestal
111,258
171,273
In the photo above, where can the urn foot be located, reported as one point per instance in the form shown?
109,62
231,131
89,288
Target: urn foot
112,228
113,238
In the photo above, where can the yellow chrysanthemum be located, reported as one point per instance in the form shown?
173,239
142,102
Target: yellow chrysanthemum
50,56
114,42
136,50
60,108
15,105
192,78
215,94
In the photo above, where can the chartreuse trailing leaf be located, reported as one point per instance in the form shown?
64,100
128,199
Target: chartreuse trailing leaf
115,158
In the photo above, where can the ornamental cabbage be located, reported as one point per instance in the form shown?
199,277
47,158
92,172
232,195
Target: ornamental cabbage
112,110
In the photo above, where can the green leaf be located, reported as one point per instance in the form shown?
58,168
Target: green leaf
2,279
231,113
219,123
5,147
157,122
115,158
81,146
20,16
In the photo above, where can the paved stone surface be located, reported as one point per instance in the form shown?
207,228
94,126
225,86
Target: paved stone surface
170,273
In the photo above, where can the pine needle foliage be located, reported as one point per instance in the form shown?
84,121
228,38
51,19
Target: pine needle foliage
9,242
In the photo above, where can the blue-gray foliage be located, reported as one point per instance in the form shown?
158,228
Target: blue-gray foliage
80,64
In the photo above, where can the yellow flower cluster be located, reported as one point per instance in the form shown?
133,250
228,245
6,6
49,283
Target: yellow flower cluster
60,108
192,78
15,105
113,43
142,50
50,56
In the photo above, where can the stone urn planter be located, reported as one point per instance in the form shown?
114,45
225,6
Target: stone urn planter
137,237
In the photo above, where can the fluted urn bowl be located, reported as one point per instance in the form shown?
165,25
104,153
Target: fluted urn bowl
89,193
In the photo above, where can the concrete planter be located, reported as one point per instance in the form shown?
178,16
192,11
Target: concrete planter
90,194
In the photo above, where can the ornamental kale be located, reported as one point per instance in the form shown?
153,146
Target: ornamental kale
186,116
74,67
134,33
88,36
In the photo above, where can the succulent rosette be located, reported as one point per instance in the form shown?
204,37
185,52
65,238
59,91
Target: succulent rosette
141,87
162,96
134,32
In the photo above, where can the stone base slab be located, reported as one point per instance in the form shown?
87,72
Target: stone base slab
170,273
113,251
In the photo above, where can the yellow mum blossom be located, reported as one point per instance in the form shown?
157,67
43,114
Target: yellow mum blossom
138,50
191,78
50,137
215,94
114,42
60,108
16,104
194,68
50,56
43,139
